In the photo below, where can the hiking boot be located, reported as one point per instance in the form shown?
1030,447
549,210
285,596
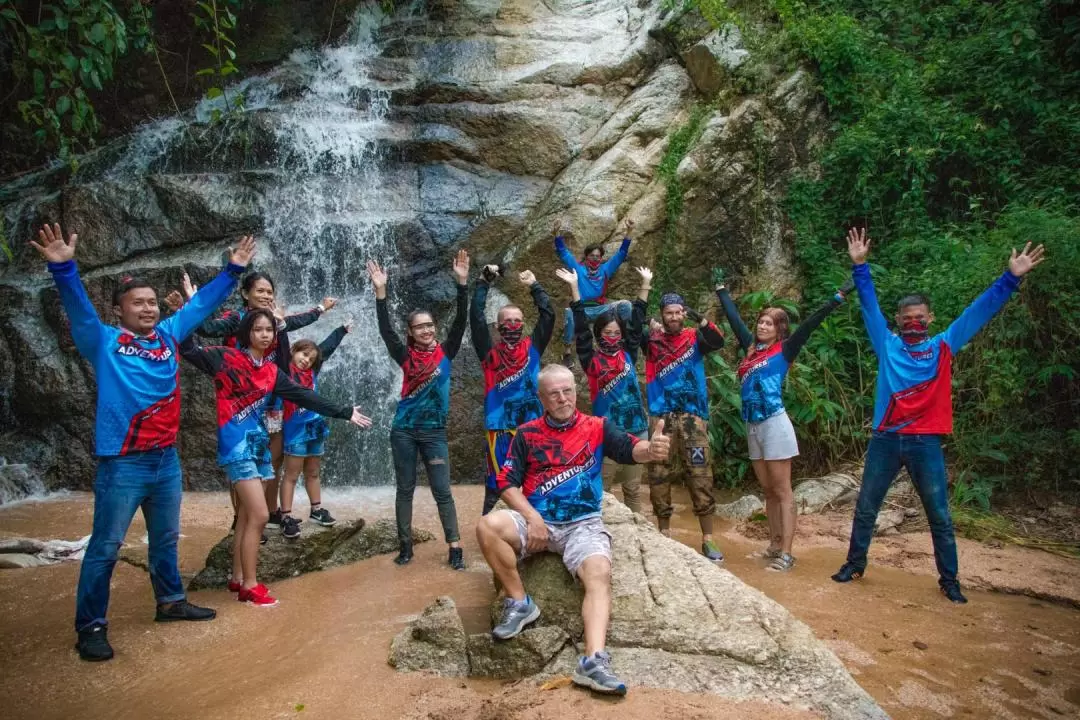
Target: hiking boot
322,516
595,673
848,572
710,550
274,521
457,558
259,596
516,615
290,527
568,359
404,555
951,590
93,644
183,610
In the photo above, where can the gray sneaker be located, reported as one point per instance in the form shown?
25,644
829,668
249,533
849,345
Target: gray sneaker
595,673
515,617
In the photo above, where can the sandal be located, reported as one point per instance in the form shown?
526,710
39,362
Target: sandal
782,563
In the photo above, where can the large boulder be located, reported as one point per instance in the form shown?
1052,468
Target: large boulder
678,622
434,642
317,548
816,494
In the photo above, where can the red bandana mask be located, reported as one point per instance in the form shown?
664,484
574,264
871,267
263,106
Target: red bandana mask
914,332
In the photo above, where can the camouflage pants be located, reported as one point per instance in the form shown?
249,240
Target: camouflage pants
689,443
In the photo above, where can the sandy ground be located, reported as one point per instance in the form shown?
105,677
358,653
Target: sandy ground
322,651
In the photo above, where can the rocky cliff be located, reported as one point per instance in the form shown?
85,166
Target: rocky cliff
469,123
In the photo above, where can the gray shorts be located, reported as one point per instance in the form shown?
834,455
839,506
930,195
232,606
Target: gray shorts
772,438
574,541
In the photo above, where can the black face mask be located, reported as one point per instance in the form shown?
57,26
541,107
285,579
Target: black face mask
511,332
610,346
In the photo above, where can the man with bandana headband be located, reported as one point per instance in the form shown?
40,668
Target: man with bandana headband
613,383
511,367
677,395
913,406
593,274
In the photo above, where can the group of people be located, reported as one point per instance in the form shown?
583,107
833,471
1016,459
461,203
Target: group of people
544,455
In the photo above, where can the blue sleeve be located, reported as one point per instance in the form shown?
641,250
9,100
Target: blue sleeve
617,259
978,313
202,305
565,255
86,327
876,326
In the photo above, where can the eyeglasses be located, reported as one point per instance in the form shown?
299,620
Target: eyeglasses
423,326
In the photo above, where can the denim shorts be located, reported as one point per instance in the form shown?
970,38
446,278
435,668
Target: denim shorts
313,447
249,470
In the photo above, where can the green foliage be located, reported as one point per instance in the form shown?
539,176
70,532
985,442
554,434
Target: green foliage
216,20
956,137
70,48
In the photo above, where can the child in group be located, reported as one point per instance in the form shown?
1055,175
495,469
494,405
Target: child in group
305,434
257,291
244,380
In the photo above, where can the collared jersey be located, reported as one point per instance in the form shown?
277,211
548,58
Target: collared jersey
675,370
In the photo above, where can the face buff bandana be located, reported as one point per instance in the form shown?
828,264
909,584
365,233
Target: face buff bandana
592,265
914,332
511,330
609,346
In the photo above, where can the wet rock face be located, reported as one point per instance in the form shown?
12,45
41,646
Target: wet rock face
317,548
474,125
677,622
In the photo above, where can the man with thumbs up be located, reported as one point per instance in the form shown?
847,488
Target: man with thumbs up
551,481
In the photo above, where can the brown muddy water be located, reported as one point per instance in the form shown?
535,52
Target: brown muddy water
322,651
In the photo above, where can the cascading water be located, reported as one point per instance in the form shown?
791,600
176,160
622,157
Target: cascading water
325,210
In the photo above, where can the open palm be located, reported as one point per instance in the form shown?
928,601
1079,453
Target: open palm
52,246
1020,265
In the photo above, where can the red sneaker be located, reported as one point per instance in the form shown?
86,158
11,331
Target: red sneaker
258,596
235,586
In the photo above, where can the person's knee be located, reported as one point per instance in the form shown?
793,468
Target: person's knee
595,573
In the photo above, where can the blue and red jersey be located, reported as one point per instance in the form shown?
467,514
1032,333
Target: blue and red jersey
592,284
425,383
511,372
762,372
242,387
138,397
675,369
298,423
557,467
613,383
914,384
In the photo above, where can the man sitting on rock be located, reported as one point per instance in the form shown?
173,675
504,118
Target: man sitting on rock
551,481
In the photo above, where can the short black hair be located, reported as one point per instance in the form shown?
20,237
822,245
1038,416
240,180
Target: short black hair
243,333
602,320
128,284
590,248
913,299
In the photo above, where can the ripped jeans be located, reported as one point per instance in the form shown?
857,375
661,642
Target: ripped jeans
430,443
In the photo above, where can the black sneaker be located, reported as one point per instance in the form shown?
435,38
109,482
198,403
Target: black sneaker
183,610
405,555
457,558
847,573
275,520
951,590
93,644
322,516
290,527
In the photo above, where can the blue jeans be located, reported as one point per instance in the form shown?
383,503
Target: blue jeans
430,443
150,480
622,307
922,456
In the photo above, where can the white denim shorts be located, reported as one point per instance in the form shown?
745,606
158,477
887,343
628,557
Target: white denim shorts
772,438
574,541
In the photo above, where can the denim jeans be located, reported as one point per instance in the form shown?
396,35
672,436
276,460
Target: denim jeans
622,307
922,456
150,480
430,443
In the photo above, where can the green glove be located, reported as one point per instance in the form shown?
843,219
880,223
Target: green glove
718,276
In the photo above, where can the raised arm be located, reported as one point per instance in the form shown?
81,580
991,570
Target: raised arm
207,359
742,333
382,313
481,338
561,250
876,327
545,320
792,345
582,335
626,449
222,327
993,299
86,327
452,344
635,329
331,342
202,304
616,260
709,337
